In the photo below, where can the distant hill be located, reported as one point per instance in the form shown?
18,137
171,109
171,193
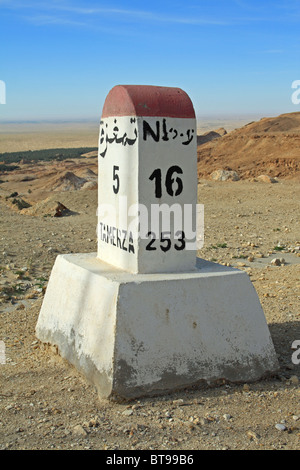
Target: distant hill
210,135
270,146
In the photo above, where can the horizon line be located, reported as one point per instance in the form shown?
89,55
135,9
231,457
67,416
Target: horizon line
97,119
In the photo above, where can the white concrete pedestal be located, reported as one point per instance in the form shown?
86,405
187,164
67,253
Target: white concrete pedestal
134,335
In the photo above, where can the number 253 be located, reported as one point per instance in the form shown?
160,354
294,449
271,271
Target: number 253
165,241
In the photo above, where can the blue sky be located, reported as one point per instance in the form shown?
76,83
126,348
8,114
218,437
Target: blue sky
60,58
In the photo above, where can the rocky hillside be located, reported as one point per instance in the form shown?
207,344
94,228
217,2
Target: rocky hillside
270,147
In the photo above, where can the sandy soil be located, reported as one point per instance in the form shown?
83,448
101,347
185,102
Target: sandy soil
46,404
37,136
16,137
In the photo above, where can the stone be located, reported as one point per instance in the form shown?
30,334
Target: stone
276,262
266,179
227,417
280,427
178,402
127,412
253,435
225,175
78,430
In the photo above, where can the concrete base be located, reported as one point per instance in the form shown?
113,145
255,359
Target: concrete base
134,335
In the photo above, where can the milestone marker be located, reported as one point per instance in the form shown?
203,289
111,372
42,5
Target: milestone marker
147,176
144,315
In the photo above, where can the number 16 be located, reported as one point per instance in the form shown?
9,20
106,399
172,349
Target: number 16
169,182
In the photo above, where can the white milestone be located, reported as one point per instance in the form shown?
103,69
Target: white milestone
144,315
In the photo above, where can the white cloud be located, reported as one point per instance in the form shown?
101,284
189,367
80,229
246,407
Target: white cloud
63,10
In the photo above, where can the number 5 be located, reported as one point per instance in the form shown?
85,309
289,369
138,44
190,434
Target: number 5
116,179
165,237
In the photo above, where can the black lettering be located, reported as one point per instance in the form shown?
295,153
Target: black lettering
165,237
130,244
120,140
119,239
102,134
102,154
123,244
113,237
108,232
116,179
110,140
148,130
182,240
165,133
116,237
190,135
149,247
104,238
170,181
131,141
156,175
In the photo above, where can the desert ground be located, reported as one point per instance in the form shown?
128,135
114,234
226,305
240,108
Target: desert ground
46,404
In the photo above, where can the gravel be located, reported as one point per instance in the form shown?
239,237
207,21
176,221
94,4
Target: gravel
46,404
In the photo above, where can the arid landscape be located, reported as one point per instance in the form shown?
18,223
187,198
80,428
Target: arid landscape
248,181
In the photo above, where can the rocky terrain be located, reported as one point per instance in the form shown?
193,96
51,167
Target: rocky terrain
250,223
266,147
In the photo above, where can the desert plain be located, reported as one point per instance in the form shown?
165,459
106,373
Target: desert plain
251,219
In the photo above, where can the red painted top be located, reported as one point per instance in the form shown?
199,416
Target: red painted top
144,100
